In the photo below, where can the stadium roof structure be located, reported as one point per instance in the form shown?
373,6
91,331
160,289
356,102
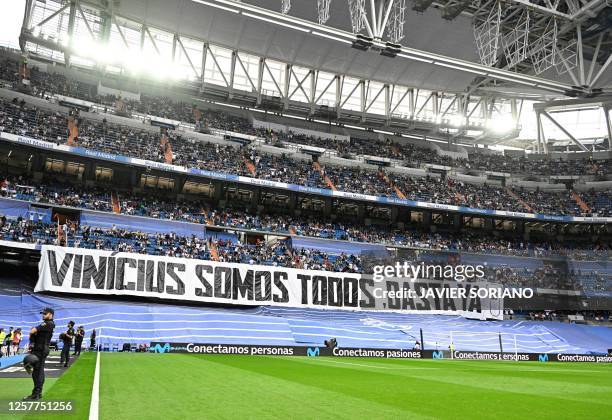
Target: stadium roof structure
455,69
295,38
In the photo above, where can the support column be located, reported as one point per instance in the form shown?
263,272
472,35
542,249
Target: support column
204,53
607,110
71,19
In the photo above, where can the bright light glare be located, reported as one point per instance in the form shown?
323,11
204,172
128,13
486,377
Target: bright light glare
134,62
457,121
501,125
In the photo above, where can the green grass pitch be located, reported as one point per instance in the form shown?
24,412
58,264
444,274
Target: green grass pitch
185,386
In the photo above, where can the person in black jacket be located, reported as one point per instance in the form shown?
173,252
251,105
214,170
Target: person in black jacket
40,337
92,340
67,340
78,340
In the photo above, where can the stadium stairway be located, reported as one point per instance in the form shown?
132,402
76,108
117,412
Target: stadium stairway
398,192
519,200
327,180
73,130
583,206
115,203
250,166
118,322
214,252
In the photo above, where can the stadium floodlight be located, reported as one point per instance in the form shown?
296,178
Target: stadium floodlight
323,10
391,50
362,42
285,6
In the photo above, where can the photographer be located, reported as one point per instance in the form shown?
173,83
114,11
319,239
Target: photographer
78,340
40,337
67,340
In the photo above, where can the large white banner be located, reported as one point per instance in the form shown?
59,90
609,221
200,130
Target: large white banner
96,272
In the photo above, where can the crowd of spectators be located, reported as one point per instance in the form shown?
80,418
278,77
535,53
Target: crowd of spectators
44,83
57,193
274,253
19,118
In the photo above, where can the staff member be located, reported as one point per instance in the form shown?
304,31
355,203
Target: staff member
40,337
67,340
2,337
16,341
78,340
6,343
92,340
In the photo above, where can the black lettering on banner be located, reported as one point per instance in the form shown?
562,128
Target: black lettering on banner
365,285
350,291
263,286
408,302
140,276
58,276
223,282
304,279
76,271
208,288
424,304
279,278
436,287
110,276
242,287
120,278
475,304
91,272
334,291
161,278
171,269
319,290
464,301
448,304
393,302
149,275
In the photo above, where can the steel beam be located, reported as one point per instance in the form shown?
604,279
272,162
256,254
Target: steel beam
594,59
414,54
204,54
48,18
180,43
567,133
212,55
239,60
85,20
602,70
608,126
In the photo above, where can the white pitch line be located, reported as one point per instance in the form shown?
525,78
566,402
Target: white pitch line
94,407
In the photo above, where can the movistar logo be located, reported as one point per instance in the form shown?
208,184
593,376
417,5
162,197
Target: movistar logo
158,348
543,357
312,352
437,355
